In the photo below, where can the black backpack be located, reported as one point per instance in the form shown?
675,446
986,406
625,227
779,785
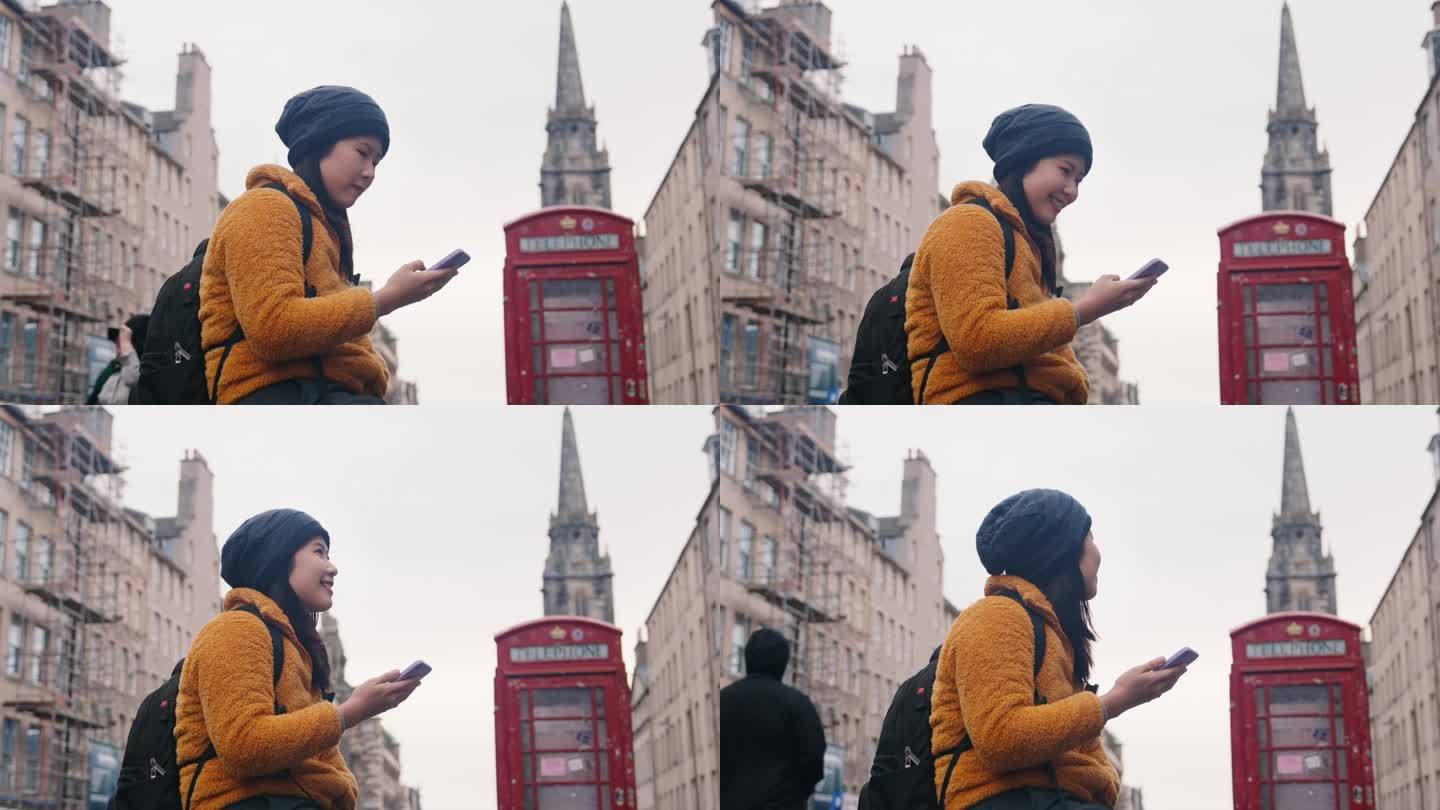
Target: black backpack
172,361
880,366
903,774
149,774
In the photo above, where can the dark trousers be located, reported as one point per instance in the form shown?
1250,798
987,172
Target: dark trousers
311,391
275,803
1008,396
1035,799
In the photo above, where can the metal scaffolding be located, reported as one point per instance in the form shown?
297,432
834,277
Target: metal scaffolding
72,680
67,269
797,171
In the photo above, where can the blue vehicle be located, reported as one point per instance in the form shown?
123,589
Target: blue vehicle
830,791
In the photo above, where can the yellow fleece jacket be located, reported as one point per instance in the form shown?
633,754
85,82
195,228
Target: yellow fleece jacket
957,289
984,686
253,277
227,698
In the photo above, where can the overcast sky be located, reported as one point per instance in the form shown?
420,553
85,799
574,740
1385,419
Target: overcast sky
1176,99
439,525
1182,501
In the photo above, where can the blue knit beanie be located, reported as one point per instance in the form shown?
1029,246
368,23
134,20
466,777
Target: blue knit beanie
1032,534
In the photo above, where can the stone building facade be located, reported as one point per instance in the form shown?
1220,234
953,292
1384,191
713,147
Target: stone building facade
1397,272
782,211
101,199
98,602
1404,670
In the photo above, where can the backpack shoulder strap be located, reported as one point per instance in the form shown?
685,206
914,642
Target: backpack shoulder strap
277,649
1037,627
307,227
1006,230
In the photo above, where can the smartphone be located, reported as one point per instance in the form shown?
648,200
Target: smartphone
414,672
1184,658
456,260
1154,269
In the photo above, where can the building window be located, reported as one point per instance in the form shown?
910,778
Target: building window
739,634
32,757
18,151
44,554
741,163
764,147
767,559
727,346
22,551
747,59
717,628
7,31
724,539
30,345
14,226
39,646
752,353
36,265
7,748
744,550
729,439
42,153
732,242
14,646
757,248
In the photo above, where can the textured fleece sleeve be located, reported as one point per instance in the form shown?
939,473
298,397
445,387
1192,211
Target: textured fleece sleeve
260,242
965,251
993,658
232,662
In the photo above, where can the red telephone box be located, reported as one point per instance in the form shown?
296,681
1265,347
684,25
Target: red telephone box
1287,314
574,324
1300,715
562,717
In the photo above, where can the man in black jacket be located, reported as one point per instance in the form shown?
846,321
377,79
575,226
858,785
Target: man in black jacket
772,745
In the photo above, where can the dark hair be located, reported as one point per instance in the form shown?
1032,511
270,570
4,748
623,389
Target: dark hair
1013,185
306,626
1066,593
308,168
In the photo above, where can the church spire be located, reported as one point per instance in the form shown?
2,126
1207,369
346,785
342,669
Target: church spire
574,170
1290,97
1294,494
569,89
572,506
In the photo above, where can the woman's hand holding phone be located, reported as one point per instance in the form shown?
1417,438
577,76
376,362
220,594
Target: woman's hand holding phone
1140,685
376,696
1110,294
410,284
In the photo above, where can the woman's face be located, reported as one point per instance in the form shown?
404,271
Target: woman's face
312,576
1054,185
1090,566
349,169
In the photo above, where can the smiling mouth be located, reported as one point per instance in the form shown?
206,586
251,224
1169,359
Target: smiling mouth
328,585
1058,203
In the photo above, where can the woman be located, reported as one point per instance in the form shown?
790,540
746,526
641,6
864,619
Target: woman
1035,737
244,740
279,331
977,334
